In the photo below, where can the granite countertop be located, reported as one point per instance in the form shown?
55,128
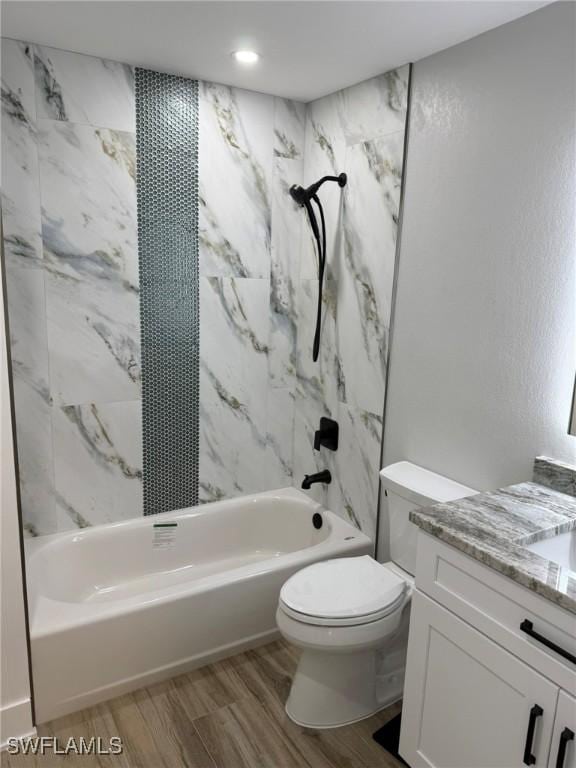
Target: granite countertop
492,527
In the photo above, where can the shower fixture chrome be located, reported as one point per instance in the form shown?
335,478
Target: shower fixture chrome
304,196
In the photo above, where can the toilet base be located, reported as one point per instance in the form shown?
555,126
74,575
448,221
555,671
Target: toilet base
331,690
318,727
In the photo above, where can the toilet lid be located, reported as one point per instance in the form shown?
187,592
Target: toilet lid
347,587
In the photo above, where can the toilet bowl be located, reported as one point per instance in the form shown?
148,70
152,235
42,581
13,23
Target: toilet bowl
350,616
344,615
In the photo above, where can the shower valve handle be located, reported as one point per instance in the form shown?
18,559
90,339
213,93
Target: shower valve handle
327,435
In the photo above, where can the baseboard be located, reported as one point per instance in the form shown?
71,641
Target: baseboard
16,721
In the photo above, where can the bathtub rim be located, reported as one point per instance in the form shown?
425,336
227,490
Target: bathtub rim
142,521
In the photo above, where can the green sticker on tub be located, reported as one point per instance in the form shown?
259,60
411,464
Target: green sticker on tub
164,535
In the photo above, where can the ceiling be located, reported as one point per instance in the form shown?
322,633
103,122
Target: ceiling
309,48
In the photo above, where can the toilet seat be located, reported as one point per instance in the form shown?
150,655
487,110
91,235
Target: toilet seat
343,592
350,621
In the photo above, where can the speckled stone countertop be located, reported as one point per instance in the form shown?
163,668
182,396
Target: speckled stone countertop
492,527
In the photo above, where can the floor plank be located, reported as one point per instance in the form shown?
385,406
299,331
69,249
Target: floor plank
243,735
137,735
96,722
268,673
209,689
174,735
229,714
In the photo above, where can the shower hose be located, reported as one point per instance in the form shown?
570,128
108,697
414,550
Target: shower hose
320,239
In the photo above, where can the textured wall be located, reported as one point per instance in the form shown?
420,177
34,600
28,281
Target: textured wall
482,366
359,130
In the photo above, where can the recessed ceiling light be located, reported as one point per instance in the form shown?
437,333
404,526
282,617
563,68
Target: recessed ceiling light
246,57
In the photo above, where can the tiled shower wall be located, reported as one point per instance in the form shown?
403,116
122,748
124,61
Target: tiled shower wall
69,214
359,130
251,149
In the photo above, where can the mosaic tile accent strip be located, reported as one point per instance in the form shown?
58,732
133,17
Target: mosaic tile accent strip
167,191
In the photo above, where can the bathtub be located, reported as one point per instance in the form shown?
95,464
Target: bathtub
116,607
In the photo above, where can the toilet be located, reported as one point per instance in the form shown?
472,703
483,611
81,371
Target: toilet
349,616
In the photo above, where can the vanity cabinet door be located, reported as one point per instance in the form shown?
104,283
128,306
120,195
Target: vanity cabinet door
563,749
467,702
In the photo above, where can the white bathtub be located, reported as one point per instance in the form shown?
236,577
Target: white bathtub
119,606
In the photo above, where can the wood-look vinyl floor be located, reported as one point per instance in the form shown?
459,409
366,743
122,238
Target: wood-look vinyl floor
227,715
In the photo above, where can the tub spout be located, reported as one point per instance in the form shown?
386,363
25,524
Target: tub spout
319,477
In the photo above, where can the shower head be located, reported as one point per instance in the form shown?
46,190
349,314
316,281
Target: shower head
303,196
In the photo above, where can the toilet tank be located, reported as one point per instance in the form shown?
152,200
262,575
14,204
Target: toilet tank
408,486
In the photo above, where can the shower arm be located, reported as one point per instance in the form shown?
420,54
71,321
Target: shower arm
302,196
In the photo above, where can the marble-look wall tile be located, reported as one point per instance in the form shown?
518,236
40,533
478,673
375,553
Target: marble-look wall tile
235,169
289,134
280,438
354,489
255,469
69,216
28,340
98,462
325,142
20,186
366,274
90,252
322,381
375,107
244,452
289,129
251,149
317,385
218,454
25,288
32,397
325,154
35,456
306,460
84,89
261,394
234,332
285,265
235,455
360,131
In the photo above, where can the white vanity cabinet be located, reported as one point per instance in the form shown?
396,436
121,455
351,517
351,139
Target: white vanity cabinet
480,692
563,751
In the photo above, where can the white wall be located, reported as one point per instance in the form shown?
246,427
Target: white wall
15,708
482,358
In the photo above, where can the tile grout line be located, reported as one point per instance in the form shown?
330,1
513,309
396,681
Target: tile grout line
210,755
